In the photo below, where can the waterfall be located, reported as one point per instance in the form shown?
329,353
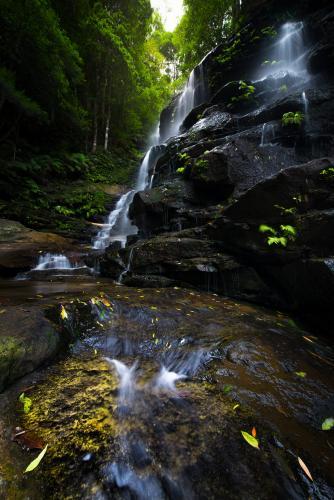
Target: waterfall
306,104
288,54
268,135
119,226
128,267
53,261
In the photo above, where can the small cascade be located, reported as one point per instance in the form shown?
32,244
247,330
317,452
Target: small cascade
167,379
127,379
193,94
268,135
288,54
306,105
119,226
50,261
128,267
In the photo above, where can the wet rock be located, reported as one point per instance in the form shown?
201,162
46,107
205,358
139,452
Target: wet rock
27,341
21,246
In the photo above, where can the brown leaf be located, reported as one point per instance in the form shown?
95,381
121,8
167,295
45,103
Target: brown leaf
305,468
28,440
254,432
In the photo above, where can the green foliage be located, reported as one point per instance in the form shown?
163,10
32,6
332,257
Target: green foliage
279,237
269,31
328,172
180,170
203,26
26,402
251,440
283,88
201,164
292,118
246,92
286,211
327,424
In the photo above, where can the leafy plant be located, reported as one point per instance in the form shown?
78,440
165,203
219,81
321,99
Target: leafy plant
292,118
246,90
180,170
26,402
328,172
280,237
283,88
269,31
201,163
327,424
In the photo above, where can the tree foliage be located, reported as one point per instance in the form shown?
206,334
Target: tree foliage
83,74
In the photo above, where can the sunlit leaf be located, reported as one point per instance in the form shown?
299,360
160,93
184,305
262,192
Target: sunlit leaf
327,424
305,468
27,403
252,441
63,313
301,374
35,463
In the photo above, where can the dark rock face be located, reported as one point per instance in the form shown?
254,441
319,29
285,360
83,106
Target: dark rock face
27,340
238,165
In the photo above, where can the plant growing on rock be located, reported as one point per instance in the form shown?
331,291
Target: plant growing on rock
328,173
281,237
293,118
269,31
201,164
247,92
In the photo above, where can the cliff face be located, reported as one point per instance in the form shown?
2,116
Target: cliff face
242,200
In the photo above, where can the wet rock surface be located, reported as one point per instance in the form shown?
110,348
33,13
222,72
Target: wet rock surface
153,439
21,246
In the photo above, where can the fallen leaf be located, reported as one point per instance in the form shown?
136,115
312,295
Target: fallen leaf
235,407
2,311
305,468
252,441
28,440
35,463
301,374
227,389
254,432
327,424
63,313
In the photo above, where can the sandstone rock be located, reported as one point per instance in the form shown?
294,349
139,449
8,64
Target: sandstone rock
21,246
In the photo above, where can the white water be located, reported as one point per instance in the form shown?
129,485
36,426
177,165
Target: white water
167,379
119,226
288,54
127,379
128,267
268,135
53,261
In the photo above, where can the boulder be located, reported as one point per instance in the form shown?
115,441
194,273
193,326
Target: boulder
21,246
27,340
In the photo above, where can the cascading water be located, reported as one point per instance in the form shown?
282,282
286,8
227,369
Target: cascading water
288,54
54,261
268,135
119,226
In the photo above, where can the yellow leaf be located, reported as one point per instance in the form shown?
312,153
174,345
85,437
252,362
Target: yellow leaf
235,407
252,441
63,313
35,463
305,468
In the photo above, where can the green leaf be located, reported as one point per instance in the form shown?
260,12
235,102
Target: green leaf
301,374
35,463
327,424
252,441
27,403
267,229
227,389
